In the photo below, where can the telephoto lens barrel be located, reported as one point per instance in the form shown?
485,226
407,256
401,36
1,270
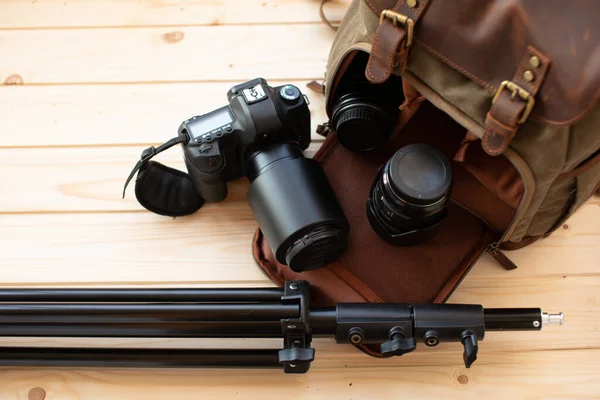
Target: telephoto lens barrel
296,207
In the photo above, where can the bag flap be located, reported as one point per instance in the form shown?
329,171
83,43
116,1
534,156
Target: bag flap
486,40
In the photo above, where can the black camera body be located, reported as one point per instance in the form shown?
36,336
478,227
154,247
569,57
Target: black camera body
222,141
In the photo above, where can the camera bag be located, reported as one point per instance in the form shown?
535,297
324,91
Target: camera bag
506,90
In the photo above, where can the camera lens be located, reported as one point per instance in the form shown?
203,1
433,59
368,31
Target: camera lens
295,207
360,123
364,114
407,202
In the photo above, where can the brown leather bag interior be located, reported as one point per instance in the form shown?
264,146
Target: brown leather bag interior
372,270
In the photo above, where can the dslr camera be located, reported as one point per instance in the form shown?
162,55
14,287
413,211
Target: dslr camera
260,134
229,142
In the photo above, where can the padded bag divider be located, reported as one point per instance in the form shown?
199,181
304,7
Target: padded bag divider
372,270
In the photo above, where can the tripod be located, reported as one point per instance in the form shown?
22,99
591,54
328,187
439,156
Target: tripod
380,330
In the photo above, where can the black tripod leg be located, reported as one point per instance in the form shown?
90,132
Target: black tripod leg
136,358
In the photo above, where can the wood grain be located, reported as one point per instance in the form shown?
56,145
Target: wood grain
115,114
85,86
548,373
67,179
129,247
60,14
223,53
104,244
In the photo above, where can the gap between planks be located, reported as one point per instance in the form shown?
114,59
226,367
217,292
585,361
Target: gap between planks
61,14
161,26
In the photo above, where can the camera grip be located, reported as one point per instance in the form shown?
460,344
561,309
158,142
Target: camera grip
211,186
211,192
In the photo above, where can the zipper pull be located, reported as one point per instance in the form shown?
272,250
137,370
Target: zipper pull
323,129
500,257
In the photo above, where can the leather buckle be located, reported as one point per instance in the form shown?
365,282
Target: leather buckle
523,95
398,18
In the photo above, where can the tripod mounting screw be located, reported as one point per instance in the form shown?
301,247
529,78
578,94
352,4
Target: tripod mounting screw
432,338
356,335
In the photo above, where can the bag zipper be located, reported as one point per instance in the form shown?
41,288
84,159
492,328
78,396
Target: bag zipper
529,182
500,257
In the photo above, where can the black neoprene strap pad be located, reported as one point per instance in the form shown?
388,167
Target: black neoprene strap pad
166,191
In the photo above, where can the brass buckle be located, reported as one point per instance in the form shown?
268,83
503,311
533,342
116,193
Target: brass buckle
517,90
398,18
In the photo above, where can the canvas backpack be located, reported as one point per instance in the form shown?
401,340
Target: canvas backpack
508,90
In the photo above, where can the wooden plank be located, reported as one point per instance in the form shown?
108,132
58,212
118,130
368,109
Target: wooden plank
85,179
550,374
115,114
144,236
17,14
113,243
210,247
232,53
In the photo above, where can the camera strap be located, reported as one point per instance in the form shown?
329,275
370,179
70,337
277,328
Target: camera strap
161,189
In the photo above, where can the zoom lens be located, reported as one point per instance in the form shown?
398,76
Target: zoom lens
407,202
295,207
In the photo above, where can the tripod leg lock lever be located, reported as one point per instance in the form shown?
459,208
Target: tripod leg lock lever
469,341
297,353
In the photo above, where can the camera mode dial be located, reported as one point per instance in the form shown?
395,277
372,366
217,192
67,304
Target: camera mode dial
290,93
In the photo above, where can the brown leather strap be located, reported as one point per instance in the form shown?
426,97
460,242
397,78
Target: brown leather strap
504,261
509,109
377,6
389,43
316,86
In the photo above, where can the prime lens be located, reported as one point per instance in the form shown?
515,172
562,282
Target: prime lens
364,115
360,123
407,202
295,207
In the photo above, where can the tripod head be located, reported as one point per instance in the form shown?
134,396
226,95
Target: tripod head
378,329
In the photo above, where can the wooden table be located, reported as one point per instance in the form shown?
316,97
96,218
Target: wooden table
89,84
